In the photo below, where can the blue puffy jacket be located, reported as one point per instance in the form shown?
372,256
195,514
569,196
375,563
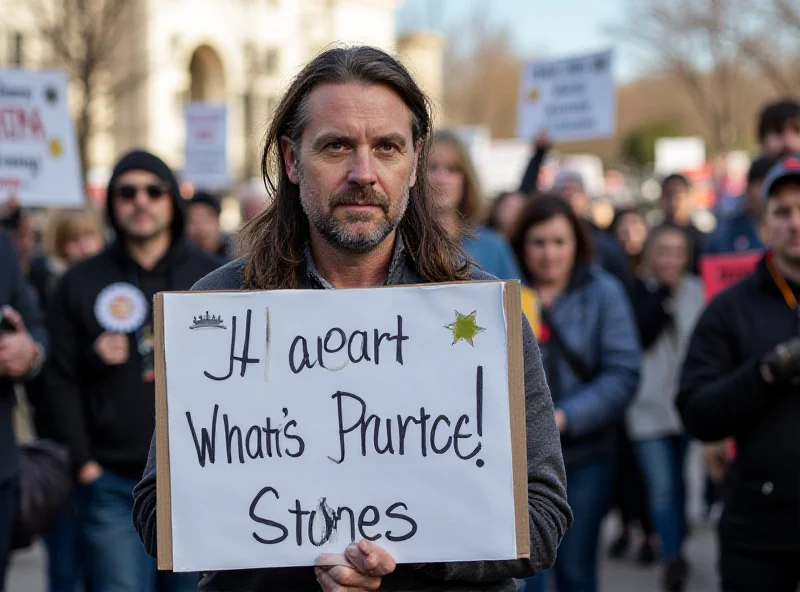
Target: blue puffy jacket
594,319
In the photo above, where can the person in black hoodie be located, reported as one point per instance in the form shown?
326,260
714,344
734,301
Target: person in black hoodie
741,379
101,376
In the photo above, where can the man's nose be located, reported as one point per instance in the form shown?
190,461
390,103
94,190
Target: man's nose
141,199
362,169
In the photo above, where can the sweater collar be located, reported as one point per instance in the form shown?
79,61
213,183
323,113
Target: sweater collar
392,278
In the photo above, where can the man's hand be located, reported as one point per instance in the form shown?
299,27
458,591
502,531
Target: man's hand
781,366
716,461
561,420
89,473
360,568
112,348
18,350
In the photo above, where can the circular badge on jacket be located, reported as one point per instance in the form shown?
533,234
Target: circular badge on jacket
120,308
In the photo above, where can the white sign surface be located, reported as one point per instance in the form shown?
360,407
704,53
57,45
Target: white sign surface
573,99
39,161
300,421
675,155
206,156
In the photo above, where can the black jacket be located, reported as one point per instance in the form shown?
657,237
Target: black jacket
722,394
14,292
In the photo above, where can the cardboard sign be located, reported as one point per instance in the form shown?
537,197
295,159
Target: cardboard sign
293,422
726,269
39,161
206,156
573,99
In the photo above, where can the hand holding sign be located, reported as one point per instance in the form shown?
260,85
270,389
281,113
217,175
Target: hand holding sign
112,348
360,567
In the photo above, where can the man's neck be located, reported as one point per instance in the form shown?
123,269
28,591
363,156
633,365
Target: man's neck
789,270
149,252
344,269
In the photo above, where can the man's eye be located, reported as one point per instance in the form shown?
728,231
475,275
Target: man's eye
336,146
388,147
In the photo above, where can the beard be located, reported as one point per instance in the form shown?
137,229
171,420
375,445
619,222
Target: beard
138,234
337,232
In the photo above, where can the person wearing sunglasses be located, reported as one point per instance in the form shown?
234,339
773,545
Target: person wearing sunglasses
101,378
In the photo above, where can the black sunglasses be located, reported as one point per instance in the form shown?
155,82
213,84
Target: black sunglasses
128,192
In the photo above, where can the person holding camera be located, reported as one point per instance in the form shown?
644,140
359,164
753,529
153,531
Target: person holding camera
22,352
741,379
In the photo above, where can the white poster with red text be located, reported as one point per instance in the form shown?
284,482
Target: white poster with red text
39,161
206,155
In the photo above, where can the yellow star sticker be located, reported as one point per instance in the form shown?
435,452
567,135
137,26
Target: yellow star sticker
55,147
534,95
465,327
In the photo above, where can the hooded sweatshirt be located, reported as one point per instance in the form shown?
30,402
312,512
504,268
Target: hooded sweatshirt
107,413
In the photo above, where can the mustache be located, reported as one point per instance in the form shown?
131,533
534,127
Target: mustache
138,211
360,196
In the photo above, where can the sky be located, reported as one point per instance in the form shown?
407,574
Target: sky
539,28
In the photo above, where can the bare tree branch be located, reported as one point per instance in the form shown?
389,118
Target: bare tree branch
83,38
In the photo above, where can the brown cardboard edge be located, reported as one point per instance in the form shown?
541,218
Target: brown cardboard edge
164,486
516,406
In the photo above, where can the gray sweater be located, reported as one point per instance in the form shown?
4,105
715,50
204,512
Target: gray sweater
548,512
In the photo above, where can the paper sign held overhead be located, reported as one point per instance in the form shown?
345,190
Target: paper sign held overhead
573,99
296,422
39,161
206,155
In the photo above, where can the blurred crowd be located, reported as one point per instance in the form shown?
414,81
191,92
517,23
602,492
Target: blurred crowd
636,362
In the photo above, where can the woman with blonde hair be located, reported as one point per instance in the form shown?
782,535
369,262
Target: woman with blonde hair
70,236
459,202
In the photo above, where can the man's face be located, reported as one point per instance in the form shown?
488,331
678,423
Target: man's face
675,200
142,205
782,143
202,227
782,222
355,164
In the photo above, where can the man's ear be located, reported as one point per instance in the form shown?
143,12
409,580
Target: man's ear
290,160
417,155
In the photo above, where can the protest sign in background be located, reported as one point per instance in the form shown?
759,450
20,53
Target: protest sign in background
573,99
205,151
39,161
290,423
724,270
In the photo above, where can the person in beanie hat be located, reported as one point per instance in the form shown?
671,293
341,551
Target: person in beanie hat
100,382
741,380
202,225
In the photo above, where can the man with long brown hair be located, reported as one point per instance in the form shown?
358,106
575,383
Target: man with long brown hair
345,164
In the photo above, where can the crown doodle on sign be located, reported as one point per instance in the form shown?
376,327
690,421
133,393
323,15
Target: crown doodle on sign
207,322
